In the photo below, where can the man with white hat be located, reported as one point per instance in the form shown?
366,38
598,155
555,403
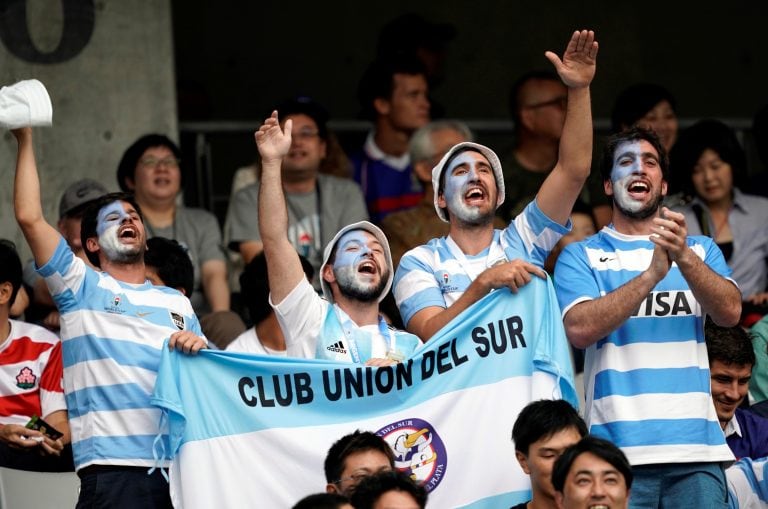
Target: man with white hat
437,281
355,276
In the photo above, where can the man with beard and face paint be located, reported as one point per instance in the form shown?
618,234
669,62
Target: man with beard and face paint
437,281
355,276
114,324
635,296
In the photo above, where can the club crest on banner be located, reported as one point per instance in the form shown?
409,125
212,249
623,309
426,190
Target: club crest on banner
419,450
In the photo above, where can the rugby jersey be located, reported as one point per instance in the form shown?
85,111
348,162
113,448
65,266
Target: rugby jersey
647,383
438,273
30,374
112,334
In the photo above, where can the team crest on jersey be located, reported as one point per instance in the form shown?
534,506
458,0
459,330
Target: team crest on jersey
445,285
26,378
114,305
177,319
419,450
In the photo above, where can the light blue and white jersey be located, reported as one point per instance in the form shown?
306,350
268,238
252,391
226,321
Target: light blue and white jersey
647,383
438,273
747,484
112,334
316,329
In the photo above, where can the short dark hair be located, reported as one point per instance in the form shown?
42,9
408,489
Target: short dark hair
708,134
601,448
303,105
172,263
729,345
322,501
515,104
127,167
378,80
370,489
90,218
542,419
633,134
359,441
254,286
635,101
10,268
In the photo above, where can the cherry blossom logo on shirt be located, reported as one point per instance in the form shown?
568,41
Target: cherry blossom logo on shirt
26,378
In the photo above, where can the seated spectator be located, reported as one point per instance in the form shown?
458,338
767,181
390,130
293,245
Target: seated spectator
393,95
542,431
731,360
265,337
323,501
714,165
150,169
318,204
31,367
389,490
592,473
73,203
354,457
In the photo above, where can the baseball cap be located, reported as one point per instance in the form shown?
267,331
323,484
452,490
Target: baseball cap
489,154
79,194
373,230
25,103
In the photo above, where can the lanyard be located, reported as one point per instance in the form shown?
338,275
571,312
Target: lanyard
495,256
354,352
316,226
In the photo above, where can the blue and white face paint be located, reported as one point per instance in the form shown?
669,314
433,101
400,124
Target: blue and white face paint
108,222
358,260
633,190
459,183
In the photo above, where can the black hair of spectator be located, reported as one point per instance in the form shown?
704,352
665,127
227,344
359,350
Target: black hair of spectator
254,286
90,219
515,102
10,268
730,345
370,489
633,134
322,501
542,419
635,101
303,105
127,167
603,449
378,81
359,441
708,134
172,263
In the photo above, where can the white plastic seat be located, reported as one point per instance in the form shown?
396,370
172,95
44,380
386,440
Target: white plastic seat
20,489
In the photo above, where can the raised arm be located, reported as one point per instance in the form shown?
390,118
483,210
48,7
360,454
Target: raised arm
560,190
718,297
283,265
41,236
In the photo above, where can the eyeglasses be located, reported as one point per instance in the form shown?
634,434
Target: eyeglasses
305,134
153,162
357,477
561,102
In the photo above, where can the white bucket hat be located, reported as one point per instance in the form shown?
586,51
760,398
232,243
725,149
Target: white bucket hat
373,230
489,154
25,103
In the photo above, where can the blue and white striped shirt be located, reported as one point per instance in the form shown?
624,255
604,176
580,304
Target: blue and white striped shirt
647,383
112,334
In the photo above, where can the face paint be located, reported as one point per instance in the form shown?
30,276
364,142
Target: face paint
352,250
108,222
456,187
627,165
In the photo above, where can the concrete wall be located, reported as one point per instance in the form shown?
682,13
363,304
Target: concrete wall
108,67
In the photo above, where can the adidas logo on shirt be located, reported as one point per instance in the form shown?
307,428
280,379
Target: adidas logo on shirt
337,347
